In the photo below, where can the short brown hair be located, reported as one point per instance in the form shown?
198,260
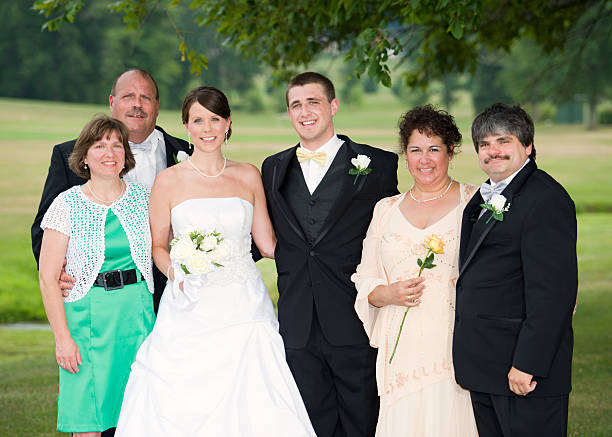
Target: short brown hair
99,127
311,77
212,99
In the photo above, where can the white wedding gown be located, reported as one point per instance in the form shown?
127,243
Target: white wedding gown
214,364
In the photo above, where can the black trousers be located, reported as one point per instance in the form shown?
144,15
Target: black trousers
337,384
520,416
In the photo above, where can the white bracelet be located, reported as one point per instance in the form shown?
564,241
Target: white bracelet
168,271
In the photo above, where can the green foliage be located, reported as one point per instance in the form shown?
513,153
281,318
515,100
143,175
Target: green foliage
605,116
486,86
440,36
582,68
80,62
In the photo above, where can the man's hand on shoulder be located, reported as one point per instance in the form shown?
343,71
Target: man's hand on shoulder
520,382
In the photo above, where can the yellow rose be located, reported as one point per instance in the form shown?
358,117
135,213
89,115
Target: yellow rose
435,243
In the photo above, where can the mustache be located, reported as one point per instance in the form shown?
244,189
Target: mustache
137,112
488,159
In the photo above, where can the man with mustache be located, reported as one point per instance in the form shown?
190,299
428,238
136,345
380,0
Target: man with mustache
134,100
517,285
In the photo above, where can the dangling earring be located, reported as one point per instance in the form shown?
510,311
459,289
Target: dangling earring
85,165
189,140
226,137
406,162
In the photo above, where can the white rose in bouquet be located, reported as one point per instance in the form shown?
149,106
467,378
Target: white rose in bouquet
221,252
198,262
209,243
182,249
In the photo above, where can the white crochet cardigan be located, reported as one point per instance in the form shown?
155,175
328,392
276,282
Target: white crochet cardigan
82,220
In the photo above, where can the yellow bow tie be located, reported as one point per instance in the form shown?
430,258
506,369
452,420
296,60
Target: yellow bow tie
304,155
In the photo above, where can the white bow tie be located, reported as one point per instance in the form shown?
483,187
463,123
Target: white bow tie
145,146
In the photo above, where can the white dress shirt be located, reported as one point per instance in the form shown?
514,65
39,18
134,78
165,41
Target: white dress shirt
313,172
504,183
507,181
150,156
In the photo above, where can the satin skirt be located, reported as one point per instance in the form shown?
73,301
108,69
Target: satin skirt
214,365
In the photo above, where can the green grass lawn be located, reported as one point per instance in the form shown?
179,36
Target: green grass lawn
580,160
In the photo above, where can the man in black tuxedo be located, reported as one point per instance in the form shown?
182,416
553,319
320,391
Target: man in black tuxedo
320,214
517,286
134,100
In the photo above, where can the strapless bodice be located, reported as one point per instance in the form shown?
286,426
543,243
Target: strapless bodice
230,216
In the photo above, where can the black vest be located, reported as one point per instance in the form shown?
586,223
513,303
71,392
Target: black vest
311,210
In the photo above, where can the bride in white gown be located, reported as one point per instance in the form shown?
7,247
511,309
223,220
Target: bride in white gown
214,364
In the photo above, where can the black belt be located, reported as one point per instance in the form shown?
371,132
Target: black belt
115,279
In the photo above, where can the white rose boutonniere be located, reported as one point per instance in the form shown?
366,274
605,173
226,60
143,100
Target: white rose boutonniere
180,157
361,163
497,206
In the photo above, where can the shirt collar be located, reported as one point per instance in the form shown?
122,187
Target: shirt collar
150,143
331,147
509,178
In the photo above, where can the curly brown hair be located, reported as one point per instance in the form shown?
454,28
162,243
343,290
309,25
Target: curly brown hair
430,121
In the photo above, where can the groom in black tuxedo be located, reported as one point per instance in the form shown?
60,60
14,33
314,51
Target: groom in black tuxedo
320,214
134,100
517,286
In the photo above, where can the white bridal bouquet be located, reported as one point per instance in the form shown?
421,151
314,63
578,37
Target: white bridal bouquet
195,253
199,252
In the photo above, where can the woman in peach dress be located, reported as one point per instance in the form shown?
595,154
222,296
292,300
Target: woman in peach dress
418,392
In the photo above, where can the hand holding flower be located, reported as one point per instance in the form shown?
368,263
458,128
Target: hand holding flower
434,244
401,293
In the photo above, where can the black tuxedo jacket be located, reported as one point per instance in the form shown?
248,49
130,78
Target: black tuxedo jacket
60,178
516,289
318,274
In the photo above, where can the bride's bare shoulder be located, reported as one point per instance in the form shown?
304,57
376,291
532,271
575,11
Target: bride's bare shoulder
170,177
247,172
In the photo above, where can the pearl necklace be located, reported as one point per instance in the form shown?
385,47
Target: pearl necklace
433,198
106,202
207,175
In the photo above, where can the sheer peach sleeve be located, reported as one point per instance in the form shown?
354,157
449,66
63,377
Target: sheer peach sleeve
370,272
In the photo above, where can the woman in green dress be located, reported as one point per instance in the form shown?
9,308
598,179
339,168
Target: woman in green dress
101,230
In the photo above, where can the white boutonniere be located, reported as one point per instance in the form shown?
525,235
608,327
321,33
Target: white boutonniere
497,206
180,156
361,163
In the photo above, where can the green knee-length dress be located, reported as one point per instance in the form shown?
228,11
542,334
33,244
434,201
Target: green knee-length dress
108,327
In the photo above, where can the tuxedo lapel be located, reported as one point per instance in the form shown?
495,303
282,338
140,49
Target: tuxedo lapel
481,228
279,172
348,191
469,219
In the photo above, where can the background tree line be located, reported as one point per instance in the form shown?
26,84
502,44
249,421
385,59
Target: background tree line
80,63
554,56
